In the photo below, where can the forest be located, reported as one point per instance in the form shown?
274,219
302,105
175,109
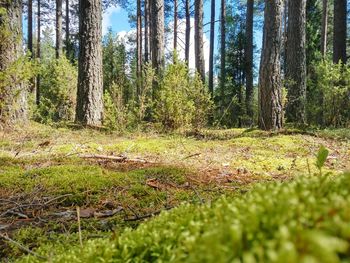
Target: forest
174,131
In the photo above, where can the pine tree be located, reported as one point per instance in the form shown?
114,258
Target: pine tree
58,28
13,100
90,85
249,54
198,28
296,61
270,85
340,31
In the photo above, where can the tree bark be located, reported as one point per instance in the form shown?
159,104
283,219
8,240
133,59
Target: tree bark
146,30
270,85
223,53
157,40
139,47
90,84
249,54
175,24
188,32
38,52
198,27
211,55
324,29
30,28
340,31
296,62
67,27
58,29
13,95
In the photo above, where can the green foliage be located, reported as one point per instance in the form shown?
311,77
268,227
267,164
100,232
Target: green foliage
305,220
321,157
183,101
58,91
329,89
117,116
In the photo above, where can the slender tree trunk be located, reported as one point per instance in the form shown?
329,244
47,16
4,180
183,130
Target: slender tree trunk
340,31
223,53
139,47
58,29
89,109
211,55
324,29
175,24
146,30
67,28
13,99
188,32
249,54
198,28
30,28
157,40
38,52
270,85
296,61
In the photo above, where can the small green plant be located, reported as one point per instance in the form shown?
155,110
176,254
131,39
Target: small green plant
322,155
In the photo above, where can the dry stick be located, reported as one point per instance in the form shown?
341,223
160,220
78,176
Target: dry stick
308,166
22,247
113,158
79,227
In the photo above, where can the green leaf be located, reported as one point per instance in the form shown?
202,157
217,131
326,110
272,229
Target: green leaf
321,157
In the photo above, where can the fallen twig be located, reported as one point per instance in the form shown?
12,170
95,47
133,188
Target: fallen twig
142,217
6,238
114,158
191,156
79,227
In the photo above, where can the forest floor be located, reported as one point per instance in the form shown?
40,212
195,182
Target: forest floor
50,175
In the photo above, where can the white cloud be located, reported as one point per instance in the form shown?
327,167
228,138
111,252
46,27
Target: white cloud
107,18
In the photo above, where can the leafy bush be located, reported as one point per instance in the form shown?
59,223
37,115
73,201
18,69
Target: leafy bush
305,220
117,116
182,101
57,91
329,94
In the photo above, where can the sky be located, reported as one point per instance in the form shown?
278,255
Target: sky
117,19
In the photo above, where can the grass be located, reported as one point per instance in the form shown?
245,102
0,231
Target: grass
40,164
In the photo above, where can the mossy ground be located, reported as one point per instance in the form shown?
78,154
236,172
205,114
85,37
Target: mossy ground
40,167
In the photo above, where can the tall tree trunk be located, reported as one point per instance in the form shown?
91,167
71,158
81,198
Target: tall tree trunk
30,28
211,55
188,32
67,28
198,28
146,30
249,54
223,53
13,101
58,28
157,40
38,52
296,61
89,109
270,85
324,29
340,31
175,24
139,47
